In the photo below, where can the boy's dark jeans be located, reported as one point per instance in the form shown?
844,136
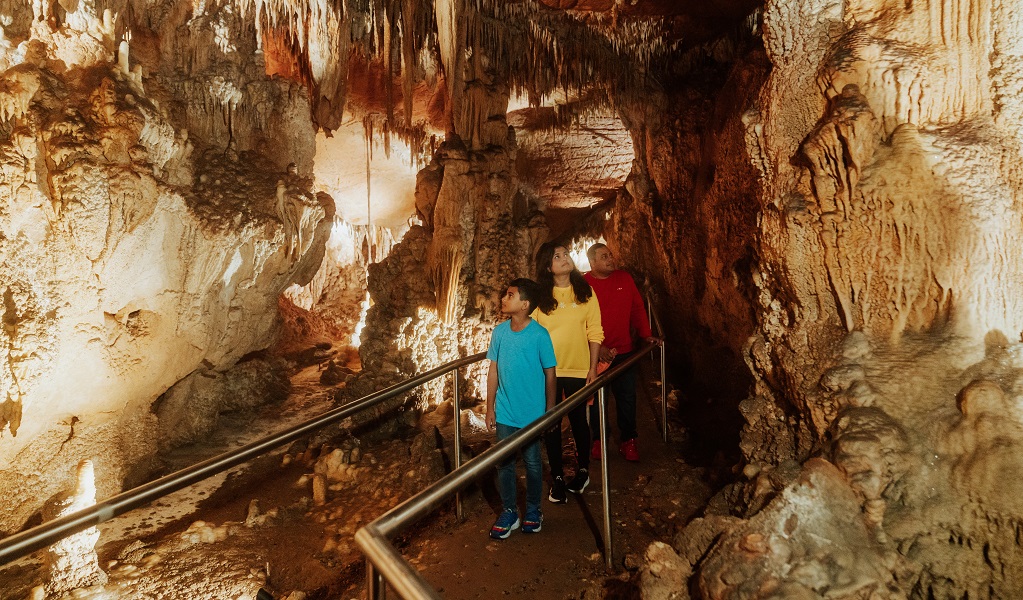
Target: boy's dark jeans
506,481
580,430
624,390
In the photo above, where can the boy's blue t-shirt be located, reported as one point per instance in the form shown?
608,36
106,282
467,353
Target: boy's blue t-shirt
521,357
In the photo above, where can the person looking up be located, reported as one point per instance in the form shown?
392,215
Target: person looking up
568,309
520,389
621,313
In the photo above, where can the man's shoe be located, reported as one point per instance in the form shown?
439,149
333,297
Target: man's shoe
507,522
579,482
595,450
557,494
533,521
629,450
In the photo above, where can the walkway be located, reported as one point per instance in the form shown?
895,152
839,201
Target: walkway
651,500
304,547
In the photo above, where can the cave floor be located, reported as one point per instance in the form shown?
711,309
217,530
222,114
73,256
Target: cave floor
650,501
257,526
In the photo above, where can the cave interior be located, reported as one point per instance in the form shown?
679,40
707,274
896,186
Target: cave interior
221,217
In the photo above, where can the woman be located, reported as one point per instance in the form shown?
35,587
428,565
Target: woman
568,309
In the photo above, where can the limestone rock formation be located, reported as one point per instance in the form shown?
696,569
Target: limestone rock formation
824,196
831,211
665,575
188,411
803,546
117,280
72,561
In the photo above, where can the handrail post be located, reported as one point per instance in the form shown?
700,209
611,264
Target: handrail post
664,395
650,317
604,478
376,587
650,311
664,380
458,444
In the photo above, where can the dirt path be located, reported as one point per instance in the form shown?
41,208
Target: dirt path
650,500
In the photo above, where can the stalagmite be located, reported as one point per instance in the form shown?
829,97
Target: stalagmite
319,489
72,562
122,57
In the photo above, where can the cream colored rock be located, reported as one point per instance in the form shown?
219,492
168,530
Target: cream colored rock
319,489
116,286
71,562
804,540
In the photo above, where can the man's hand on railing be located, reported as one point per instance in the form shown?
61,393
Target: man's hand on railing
654,340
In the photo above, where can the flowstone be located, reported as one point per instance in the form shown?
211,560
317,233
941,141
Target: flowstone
72,562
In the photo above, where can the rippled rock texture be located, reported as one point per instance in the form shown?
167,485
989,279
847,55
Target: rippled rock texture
131,255
862,268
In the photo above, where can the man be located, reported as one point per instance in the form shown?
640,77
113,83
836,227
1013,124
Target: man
621,311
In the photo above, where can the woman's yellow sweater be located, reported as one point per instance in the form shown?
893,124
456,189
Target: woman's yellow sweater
572,327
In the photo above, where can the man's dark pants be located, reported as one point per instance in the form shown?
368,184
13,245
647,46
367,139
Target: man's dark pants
624,390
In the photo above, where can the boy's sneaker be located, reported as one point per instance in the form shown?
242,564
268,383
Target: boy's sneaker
629,450
507,522
557,495
595,450
579,482
533,521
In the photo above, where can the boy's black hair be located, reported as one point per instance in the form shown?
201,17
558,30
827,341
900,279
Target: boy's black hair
529,291
545,278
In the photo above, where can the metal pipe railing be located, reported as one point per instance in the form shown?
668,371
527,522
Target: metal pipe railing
605,479
655,324
29,541
456,401
374,539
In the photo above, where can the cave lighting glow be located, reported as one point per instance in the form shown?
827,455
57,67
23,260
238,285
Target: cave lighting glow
578,252
340,170
363,310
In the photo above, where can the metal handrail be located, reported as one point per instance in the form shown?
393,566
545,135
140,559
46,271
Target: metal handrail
28,541
384,562
655,323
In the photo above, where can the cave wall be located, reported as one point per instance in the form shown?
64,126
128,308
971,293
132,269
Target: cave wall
136,244
855,172
888,147
687,223
869,289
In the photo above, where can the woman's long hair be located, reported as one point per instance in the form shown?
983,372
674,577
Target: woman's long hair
546,302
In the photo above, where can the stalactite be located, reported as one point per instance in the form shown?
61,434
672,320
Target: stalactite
446,259
449,37
536,49
367,124
389,69
408,57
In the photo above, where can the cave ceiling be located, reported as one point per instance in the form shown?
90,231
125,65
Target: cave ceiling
562,60
385,62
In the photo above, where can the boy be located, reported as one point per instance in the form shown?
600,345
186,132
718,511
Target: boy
520,388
